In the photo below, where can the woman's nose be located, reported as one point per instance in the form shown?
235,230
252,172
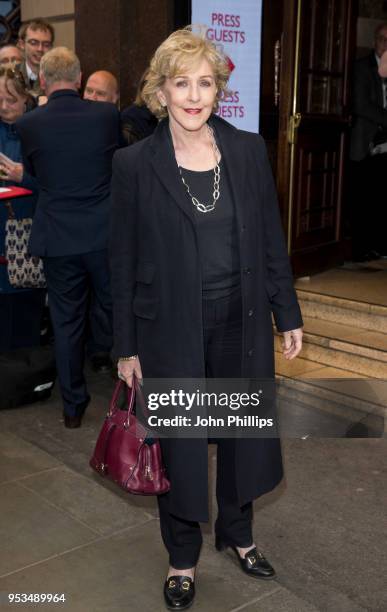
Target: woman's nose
194,93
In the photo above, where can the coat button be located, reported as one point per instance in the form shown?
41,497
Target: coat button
247,270
250,353
251,312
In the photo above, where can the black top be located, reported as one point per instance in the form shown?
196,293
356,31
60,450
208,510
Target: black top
217,233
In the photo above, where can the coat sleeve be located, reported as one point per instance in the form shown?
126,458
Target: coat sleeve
123,255
279,277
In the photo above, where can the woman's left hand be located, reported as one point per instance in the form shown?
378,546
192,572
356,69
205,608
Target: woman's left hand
292,343
12,171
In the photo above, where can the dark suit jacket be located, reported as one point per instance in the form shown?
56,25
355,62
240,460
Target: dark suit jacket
157,290
367,106
68,145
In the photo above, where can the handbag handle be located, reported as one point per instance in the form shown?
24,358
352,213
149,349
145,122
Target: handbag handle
131,398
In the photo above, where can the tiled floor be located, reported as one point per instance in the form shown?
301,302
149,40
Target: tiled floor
64,530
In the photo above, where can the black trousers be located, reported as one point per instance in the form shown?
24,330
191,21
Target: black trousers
369,216
21,319
69,281
222,325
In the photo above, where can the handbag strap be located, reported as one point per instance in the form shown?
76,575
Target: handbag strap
131,396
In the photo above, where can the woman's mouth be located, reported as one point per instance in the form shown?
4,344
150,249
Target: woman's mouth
193,111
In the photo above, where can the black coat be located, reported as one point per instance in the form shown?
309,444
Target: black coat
157,290
369,116
68,144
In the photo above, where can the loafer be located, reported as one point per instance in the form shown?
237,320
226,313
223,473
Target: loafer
253,563
179,592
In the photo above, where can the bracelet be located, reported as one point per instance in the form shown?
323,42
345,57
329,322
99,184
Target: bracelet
131,358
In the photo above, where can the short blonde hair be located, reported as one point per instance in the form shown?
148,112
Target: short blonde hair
182,50
60,64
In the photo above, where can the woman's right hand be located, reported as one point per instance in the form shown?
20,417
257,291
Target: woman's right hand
126,369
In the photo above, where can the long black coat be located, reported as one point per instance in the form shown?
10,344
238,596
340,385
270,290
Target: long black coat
157,291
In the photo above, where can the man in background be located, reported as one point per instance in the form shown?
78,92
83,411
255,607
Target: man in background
70,227
368,152
102,86
10,54
35,39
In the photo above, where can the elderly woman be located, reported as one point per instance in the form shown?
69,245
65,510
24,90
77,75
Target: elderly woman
198,264
20,309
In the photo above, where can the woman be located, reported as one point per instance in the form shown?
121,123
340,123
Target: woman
137,121
20,309
198,264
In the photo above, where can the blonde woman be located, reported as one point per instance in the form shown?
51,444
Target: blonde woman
198,264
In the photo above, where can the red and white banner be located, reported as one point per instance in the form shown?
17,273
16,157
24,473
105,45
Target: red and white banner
235,27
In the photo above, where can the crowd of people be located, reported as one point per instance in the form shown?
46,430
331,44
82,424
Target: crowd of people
23,87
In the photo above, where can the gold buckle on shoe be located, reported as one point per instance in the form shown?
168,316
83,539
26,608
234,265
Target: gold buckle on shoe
171,584
185,585
252,559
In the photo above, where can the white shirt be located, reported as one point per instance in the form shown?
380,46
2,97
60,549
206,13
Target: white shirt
31,75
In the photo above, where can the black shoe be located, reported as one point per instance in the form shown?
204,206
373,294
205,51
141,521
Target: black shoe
72,422
101,363
253,563
179,592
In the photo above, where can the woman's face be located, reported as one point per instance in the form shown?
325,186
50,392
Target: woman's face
12,105
189,97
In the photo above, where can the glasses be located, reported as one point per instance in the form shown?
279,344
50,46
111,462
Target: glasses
45,44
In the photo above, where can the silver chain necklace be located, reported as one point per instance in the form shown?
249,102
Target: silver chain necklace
205,208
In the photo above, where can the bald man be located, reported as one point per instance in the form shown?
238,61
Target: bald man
9,54
102,86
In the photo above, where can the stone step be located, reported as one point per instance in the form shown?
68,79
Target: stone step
341,310
362,404
344,346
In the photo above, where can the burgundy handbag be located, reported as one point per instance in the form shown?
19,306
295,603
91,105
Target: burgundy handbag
121,452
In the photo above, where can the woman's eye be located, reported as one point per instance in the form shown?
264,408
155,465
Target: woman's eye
181,83
206,83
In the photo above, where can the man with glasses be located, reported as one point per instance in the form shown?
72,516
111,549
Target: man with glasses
35,39
368,152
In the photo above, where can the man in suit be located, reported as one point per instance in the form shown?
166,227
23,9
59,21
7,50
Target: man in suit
35,39
101,86
68,145
368,151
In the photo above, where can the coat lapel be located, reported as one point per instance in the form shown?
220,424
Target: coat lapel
165,166
234,162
